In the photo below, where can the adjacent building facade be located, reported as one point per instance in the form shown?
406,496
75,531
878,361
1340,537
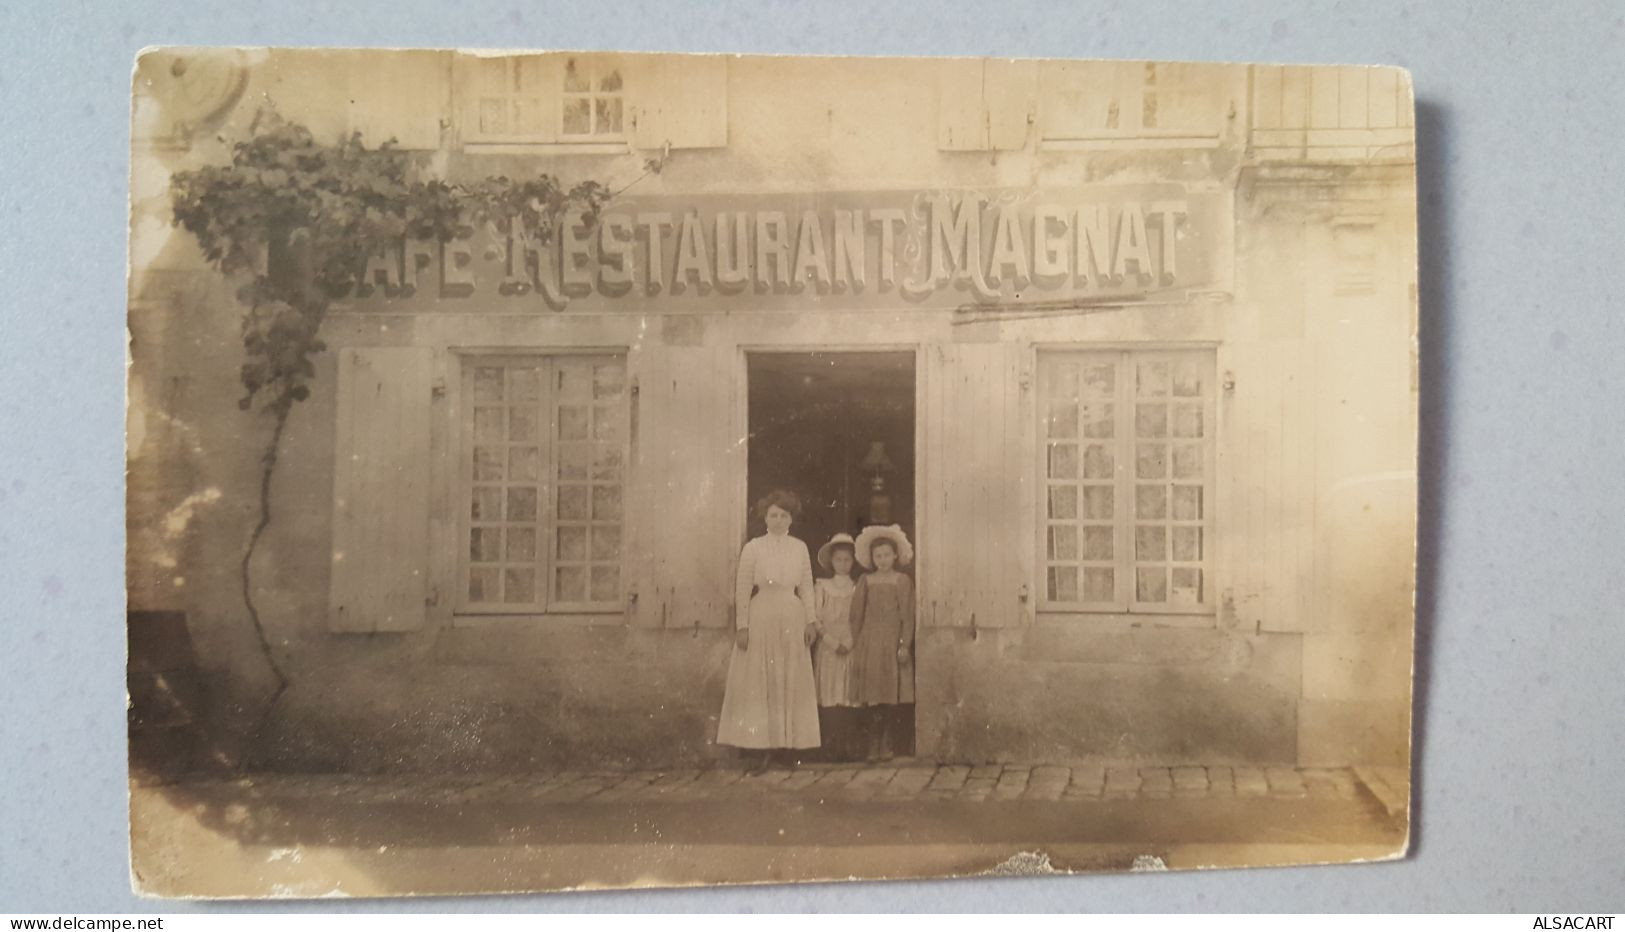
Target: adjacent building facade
1126,348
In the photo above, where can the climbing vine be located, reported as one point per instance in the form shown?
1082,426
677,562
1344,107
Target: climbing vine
298,219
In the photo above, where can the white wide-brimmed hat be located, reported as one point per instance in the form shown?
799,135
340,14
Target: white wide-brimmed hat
825,551
875,533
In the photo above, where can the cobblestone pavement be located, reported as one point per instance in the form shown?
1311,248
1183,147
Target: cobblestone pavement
898,780
315,835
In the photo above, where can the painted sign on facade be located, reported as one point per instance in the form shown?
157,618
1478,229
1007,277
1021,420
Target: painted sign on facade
1156,242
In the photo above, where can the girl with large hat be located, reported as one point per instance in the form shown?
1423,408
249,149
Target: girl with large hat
882,621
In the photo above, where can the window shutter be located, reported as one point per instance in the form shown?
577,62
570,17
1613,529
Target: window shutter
681,101
1191,98
380,111
973,566
961,118
687,455
1267,545
381,490
985,105
1009,92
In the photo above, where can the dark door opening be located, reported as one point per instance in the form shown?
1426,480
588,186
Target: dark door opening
837,429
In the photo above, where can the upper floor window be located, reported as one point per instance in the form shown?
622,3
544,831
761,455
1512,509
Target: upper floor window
593,108
544,99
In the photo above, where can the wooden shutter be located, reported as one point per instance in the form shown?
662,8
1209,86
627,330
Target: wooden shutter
378,108
978,524
985,104
381,490
1009,91
688,458
1265,537
961,119
681,101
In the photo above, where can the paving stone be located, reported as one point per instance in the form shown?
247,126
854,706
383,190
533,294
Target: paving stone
1050,774
1088,781
797,780
1189,778
767,779
1319,782
870,781
1046,790
977,788
676,778
1250,781
1285,781
1156,782
836,778
1190,782
1012,783
909,781
709,783
873,776
949,778
987,770
938,795
1122,782
1013,778
1221,781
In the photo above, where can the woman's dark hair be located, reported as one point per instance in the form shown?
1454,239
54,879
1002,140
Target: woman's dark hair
779,498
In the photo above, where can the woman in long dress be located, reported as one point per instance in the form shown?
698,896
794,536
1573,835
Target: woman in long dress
771,699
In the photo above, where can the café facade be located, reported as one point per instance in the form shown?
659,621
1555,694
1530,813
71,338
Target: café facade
1127,350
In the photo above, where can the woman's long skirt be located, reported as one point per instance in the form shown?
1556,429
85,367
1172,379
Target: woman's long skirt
771,700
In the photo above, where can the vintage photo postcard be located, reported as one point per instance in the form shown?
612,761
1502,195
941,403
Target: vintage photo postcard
579,470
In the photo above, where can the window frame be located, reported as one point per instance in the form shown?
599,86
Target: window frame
1124,449
471,92
468,361
594,66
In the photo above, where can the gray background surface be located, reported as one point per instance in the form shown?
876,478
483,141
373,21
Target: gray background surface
1521,724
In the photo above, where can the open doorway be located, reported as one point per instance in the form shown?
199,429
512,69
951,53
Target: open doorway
837,429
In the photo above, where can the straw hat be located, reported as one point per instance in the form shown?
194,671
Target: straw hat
873,534
825,551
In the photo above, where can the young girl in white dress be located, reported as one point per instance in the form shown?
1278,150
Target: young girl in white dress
832,655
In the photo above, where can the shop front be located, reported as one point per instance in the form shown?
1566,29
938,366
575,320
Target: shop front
1142,397
539,445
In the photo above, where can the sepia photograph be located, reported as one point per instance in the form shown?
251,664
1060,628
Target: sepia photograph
568,470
